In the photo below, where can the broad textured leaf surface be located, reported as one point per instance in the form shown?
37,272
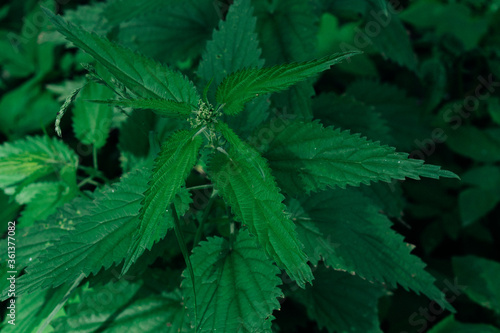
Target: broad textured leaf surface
31,242
46,198
35,308
342,302
234,45
402,113
143,76
348,113
117,11
172,166
240,87
344,228
246,184
92,122
310,157
172,30
475,203
24,161
484,148
479,276
287,32
392,40
26,109
99,234
236,286
124,307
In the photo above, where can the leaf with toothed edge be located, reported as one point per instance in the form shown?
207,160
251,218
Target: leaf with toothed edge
171,168
346,230
143,76
236,285
309,157
247,186
242,86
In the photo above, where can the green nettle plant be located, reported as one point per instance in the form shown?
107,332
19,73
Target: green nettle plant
260,199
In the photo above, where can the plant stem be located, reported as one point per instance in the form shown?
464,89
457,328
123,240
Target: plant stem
200,187
88,180
94,157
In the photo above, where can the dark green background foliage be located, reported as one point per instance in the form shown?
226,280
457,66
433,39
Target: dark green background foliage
251,165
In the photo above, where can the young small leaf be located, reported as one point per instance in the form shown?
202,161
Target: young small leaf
243,86
63,110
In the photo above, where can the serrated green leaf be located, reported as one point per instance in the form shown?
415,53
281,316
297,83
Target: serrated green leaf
392,39
451,325
480,278
64,108
171,31
402,113
99,235
23,162
342,302
310,157
35,308
478,144
234,45
8,211
246,184
31,242
349,114
92,122
101,231
344,228
45,198
118,11
27,109
124,307
287,30
243,86
283,42
463,24
388,197
236,286
143,76
474,203
162,107
434,78
172,166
